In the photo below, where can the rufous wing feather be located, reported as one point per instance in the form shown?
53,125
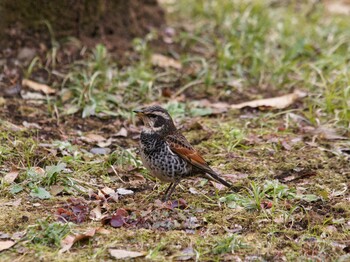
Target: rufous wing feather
179,145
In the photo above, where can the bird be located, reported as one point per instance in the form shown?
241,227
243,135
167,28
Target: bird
167,154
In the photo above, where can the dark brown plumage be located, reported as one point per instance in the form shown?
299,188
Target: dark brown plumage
167,154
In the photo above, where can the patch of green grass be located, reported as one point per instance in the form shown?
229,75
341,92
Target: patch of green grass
254,197
37,180
48,234
230,245
97,86
274,47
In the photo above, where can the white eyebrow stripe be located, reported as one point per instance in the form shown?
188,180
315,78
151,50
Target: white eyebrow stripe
164,115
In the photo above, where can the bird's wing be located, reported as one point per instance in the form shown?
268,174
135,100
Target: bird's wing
179,145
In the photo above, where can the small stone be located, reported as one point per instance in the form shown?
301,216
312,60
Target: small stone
100,151
26,54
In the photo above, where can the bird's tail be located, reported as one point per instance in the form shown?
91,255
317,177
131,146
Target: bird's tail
213,176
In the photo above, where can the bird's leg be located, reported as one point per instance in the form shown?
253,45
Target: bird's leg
169,191
166,191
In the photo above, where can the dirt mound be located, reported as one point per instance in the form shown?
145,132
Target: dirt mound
113,23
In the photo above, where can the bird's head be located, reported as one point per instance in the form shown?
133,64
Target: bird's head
156,119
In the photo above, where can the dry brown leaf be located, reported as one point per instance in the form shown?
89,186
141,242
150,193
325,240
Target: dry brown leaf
33,96
112,194
69,241
10,177
96,214
93,138
125,254
137,179
165,62
122,132
31,125
280,102
6,244
38,87
103,231
107,191
106,143
56,189
39,170
338,6
15,203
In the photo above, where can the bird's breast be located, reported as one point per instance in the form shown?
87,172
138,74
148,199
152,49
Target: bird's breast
164,164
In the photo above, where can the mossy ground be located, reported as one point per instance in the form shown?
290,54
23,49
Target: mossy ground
290,168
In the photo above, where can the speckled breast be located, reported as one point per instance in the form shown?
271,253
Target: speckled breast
160,160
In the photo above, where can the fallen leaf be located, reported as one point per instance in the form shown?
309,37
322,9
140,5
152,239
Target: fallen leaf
136,179
123,191
165,62
106,143
10,177
69,241
31,125
38,87
4,235
265,204
111,193
280,102
6,244
96,214
107,191
39,170
32,96
75,210
15,203
118,219
338,6
93,138
193,191
56,189
103,231
122,132
125,254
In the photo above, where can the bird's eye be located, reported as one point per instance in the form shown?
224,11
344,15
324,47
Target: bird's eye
152,116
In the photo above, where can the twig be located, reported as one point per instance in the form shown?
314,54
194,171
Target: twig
182,89
115,172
